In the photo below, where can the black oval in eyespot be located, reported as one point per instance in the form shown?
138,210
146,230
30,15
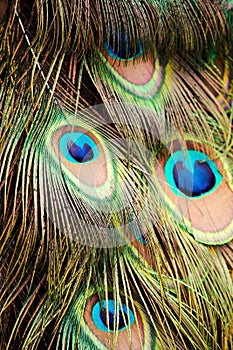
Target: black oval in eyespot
111,317
82,153
121,47
195,183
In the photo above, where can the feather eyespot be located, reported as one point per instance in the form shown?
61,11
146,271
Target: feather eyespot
78,147
82,171
191,173
119,324
139,76
83,156
121,48
108,316
196,190
108,323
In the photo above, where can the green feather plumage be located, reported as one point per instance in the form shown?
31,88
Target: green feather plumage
74,235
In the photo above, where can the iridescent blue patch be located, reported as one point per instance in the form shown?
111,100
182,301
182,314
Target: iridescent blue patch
78,147
121,48
191,174
118,314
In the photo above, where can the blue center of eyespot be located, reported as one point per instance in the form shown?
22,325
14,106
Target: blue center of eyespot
117,315
80,153
78,147
191,174
121,48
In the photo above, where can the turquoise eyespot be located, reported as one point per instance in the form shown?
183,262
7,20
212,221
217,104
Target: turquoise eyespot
191,174
119,316
78,147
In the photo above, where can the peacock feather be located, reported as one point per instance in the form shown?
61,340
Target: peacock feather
116,148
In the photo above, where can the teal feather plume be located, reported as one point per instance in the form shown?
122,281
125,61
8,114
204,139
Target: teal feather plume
116,173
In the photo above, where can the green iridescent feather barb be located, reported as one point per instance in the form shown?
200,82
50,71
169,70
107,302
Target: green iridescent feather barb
116,175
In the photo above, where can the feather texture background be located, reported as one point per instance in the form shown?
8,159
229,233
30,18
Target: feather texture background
116,174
